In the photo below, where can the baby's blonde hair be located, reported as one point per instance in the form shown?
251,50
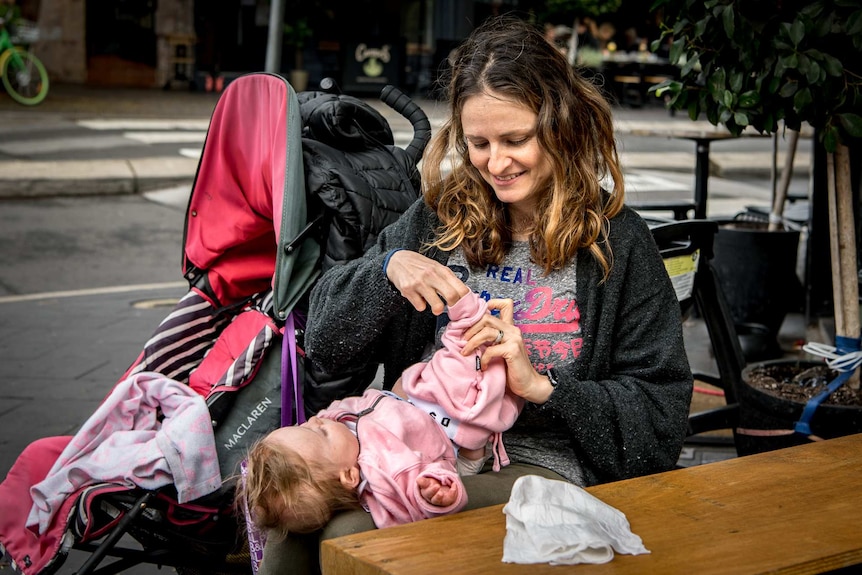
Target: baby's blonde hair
287,494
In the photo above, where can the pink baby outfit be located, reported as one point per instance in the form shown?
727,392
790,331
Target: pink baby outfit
398,444
474,406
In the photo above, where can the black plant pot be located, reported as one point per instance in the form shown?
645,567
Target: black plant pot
761,412
756,269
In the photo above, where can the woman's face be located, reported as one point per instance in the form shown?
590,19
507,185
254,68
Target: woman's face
502,145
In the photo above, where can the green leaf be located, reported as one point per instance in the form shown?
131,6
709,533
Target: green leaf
749,99
788,89
804,63
802,99
676,50
711,115
769,123
833,65
741,118
727,19
813,74
812,10
823,26
830,138
797,32
724,116
736,78
852,123
692,110
727,97
689,66
700,27
854,23
790,62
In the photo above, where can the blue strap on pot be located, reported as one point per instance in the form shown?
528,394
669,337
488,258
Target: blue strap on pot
845,358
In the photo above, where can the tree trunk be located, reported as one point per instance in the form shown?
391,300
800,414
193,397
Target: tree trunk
780,197
845,280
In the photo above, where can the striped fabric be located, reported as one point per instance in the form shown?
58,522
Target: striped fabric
245,364
183,338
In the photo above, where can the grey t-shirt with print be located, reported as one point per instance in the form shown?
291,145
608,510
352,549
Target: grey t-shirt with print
547,313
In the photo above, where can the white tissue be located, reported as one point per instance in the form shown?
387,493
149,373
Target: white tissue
559,523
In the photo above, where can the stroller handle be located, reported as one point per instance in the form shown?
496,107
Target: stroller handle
401,103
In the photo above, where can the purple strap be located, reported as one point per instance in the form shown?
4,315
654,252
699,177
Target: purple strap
290,396
256,538
291,391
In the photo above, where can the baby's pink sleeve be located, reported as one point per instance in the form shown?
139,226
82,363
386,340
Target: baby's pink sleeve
442,472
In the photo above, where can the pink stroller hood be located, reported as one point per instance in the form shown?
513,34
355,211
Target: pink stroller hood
248,201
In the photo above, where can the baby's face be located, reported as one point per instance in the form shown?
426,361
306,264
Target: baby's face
323,441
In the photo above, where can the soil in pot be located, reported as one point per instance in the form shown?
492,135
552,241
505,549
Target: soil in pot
799,382
773,397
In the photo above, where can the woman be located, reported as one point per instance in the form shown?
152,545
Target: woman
588,323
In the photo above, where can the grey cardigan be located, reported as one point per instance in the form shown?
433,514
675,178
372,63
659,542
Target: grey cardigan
624,403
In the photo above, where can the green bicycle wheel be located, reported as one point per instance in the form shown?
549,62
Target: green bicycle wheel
24,76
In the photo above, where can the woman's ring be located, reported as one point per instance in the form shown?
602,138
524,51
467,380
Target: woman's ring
499,337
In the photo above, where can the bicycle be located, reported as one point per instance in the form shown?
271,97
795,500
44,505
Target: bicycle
23,74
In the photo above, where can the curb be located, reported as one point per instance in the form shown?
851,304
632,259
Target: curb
19,179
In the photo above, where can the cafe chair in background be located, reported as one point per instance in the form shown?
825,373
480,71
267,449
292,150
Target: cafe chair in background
627,82
687,249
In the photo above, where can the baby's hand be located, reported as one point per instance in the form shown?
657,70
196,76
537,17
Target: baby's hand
434,492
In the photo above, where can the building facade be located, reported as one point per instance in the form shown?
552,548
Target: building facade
200,44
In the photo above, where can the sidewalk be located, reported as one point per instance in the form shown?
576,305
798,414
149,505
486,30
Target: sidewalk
28,176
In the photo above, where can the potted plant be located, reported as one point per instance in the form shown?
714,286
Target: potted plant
775,65
296,33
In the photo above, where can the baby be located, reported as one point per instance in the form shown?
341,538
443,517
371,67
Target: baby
395,457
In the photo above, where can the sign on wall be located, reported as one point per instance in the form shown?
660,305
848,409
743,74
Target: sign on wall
371,65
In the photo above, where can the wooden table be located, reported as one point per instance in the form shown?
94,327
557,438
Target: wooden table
795,510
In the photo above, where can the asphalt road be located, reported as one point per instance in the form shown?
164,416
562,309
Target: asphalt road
83,283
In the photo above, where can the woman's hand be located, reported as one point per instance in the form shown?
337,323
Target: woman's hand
423,281
504,340
436,493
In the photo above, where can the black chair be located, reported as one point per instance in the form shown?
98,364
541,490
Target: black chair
699,292
680,208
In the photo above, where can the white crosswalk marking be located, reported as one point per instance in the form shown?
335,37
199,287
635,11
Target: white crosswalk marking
191,152
168,137
139,124
153,131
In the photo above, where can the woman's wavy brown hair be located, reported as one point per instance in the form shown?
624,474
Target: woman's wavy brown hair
287,494
512,59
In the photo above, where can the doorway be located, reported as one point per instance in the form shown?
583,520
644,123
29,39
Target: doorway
121,43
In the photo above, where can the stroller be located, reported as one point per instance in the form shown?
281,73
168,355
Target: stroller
287,185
